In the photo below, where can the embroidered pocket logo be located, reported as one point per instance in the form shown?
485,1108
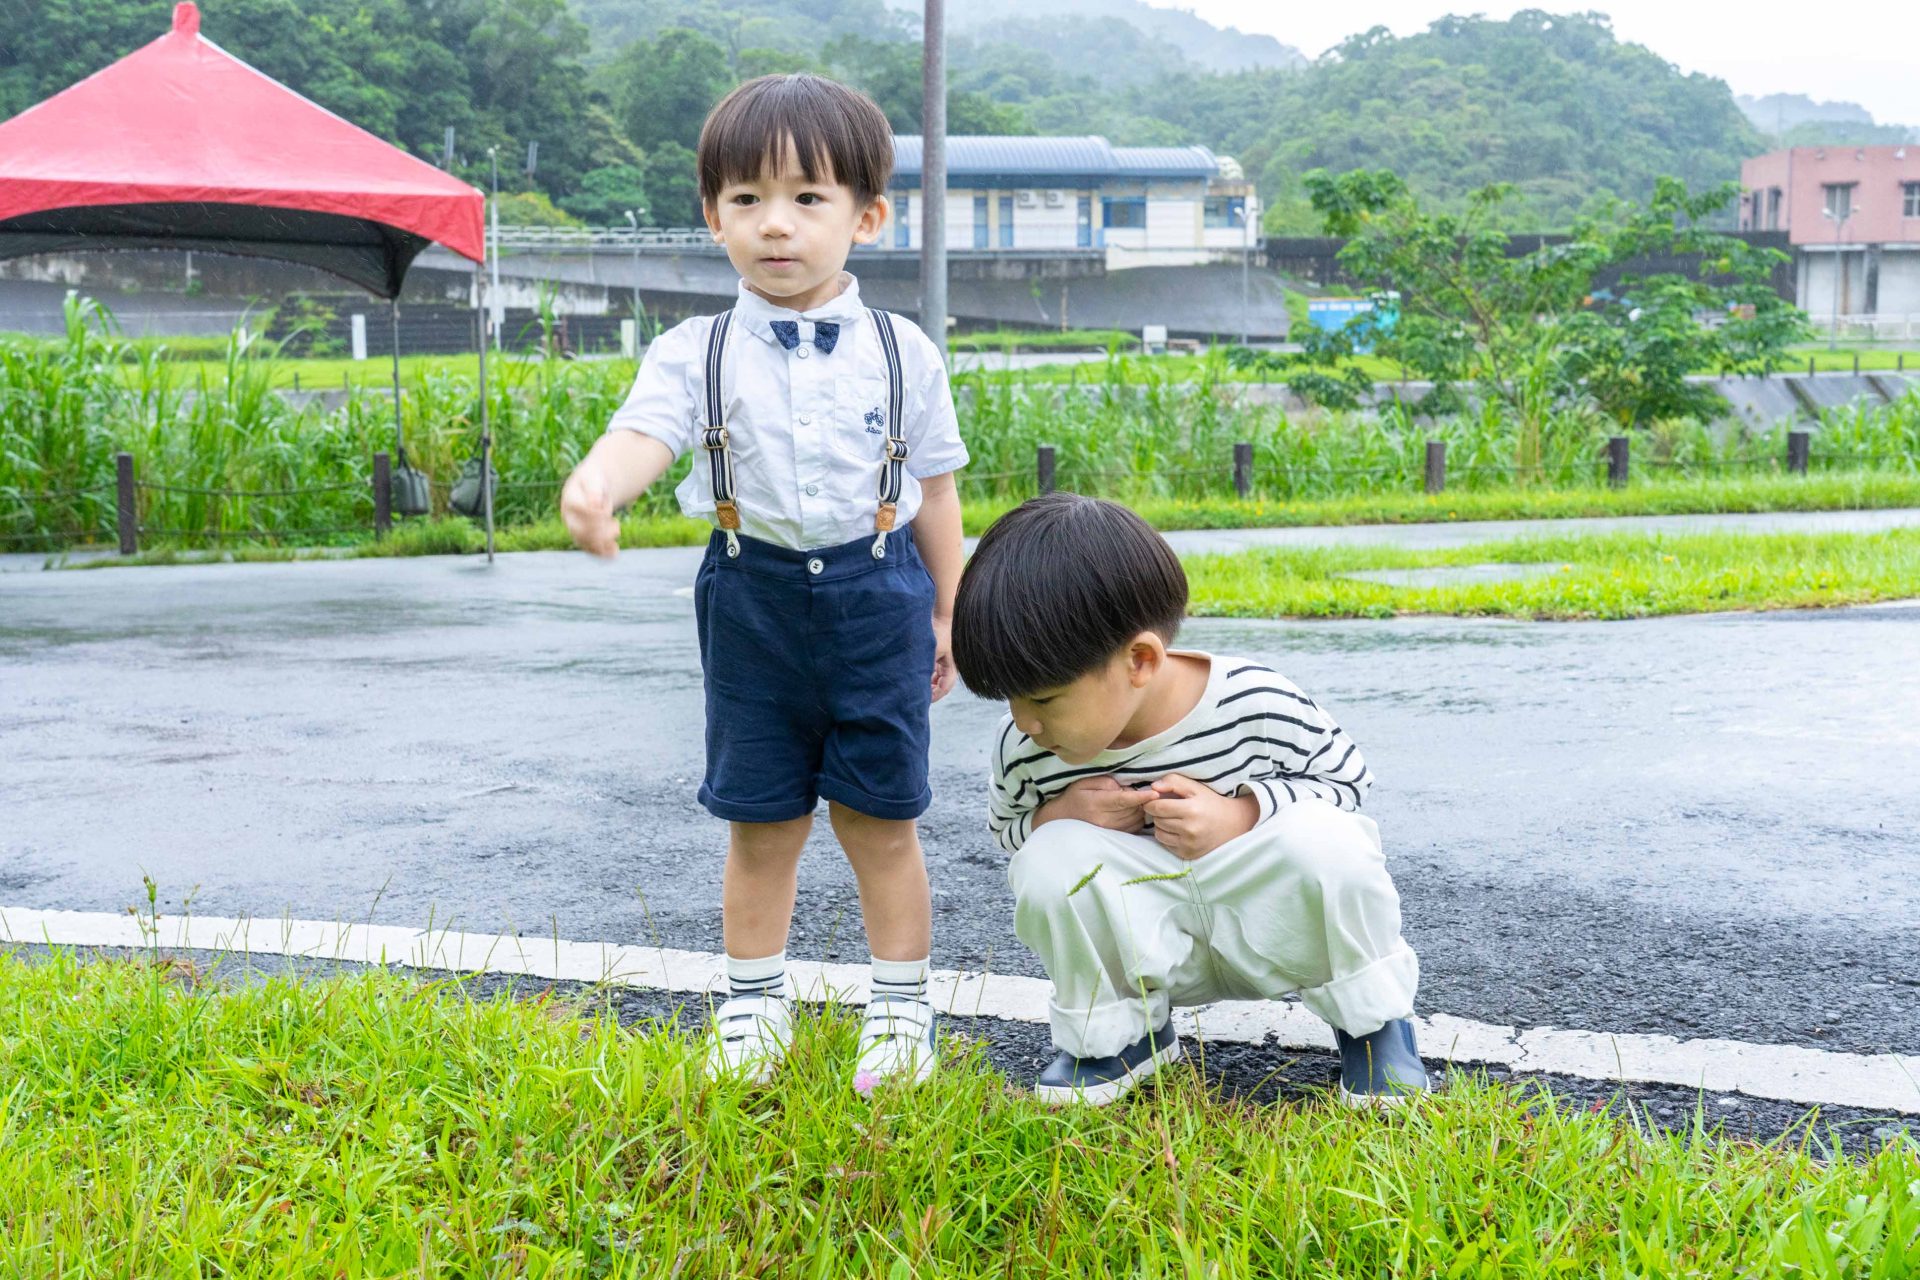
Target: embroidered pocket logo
874,419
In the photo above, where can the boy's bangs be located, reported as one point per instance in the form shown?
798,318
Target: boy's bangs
833,135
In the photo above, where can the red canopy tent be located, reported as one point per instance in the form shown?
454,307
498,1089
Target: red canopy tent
180,145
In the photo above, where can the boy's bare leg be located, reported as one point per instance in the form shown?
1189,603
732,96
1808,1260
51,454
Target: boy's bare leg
758,886
894,899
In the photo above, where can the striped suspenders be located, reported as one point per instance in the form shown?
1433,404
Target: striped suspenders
893,468
720,457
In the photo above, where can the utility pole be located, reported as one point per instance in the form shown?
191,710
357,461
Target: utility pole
493,215
933,176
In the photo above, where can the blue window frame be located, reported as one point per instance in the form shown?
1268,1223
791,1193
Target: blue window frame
902,224
1084,233
1124,211
979,222
1225,211
1006,222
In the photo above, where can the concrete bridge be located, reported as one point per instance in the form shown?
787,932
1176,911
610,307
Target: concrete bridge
679,272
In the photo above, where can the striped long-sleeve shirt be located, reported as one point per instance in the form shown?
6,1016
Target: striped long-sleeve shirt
1253,732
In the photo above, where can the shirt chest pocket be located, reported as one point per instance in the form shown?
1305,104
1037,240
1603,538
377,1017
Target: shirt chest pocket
858,431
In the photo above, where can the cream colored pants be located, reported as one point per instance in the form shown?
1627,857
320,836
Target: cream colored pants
1127,930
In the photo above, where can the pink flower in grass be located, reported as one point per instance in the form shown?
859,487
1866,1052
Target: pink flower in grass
865,1082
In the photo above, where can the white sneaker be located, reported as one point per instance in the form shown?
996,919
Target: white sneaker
750,1037
896,1043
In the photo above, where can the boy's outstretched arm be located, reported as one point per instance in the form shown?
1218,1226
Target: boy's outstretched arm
936,531
619,468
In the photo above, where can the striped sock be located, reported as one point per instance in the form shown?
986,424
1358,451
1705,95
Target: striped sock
766,977
906,978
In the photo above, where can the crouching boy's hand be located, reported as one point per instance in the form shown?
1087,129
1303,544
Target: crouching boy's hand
1104,801
586,504
1192,819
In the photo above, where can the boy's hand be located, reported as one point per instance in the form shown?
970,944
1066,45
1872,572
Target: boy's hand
586,504
1192,819
943,672
1104,801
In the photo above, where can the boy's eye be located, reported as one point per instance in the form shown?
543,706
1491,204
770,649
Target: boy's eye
808,197
744,198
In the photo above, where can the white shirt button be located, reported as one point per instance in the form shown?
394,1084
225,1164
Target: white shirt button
803,352
805,419
816,565
813,491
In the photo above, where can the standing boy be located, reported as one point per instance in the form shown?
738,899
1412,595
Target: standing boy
826,446
1184,826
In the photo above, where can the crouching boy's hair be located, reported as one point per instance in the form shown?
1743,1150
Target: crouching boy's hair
1057,588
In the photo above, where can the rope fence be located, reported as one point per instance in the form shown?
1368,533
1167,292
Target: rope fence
1243,475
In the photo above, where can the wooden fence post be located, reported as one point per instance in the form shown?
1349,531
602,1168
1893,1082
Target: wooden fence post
1436,466
1797,449
1243,469
1043,465
1617,461
129,520
382,497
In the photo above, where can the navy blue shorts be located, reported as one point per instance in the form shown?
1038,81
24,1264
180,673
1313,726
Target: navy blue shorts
819,678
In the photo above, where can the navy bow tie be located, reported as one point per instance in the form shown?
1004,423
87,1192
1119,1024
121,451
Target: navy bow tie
825,334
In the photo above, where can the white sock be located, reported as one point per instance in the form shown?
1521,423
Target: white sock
766,977
900,978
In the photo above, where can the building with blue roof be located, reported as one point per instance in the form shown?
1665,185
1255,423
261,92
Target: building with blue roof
1138,206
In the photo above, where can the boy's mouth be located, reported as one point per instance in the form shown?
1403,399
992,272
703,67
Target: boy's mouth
778,264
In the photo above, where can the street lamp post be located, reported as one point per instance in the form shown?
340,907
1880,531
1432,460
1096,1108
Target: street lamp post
633,217
1246,252
1839,219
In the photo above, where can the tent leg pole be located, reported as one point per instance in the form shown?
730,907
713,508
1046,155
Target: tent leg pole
486,420
399,446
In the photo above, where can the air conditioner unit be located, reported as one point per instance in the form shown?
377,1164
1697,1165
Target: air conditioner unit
1027,199
1055,199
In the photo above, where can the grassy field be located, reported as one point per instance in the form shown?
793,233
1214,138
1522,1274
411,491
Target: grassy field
1605,576
1833,491
1188,367
222,460
372,1126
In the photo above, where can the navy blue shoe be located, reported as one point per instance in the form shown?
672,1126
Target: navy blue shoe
1098,1081
1382,1069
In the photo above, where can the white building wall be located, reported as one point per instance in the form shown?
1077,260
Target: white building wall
1817,284
1900,284
1172,223
1039,225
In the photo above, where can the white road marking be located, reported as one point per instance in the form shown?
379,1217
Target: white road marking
1789,1073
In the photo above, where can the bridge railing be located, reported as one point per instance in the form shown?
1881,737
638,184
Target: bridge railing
516,237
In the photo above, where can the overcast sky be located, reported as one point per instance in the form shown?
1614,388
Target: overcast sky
1866,52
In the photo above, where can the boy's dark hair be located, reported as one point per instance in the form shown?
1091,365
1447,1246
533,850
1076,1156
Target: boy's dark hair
839,135
1056,588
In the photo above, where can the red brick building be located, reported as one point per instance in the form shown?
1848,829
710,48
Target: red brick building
1855,206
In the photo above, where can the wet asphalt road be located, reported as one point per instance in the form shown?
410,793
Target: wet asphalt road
1690,826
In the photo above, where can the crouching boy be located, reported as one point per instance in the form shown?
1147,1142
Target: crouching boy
1184,827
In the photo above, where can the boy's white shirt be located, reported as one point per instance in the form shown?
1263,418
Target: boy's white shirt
807,428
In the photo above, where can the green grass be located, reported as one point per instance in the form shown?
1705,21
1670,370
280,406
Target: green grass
1600,576
1186,368
373,1126
1043,340
1837,491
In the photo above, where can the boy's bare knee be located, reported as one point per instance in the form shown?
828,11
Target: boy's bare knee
763,842
862,835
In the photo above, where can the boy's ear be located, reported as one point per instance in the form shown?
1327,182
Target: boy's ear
1146,655
711,212
866,229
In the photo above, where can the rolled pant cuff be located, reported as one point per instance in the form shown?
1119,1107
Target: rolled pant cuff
1105,1029
1361,1003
